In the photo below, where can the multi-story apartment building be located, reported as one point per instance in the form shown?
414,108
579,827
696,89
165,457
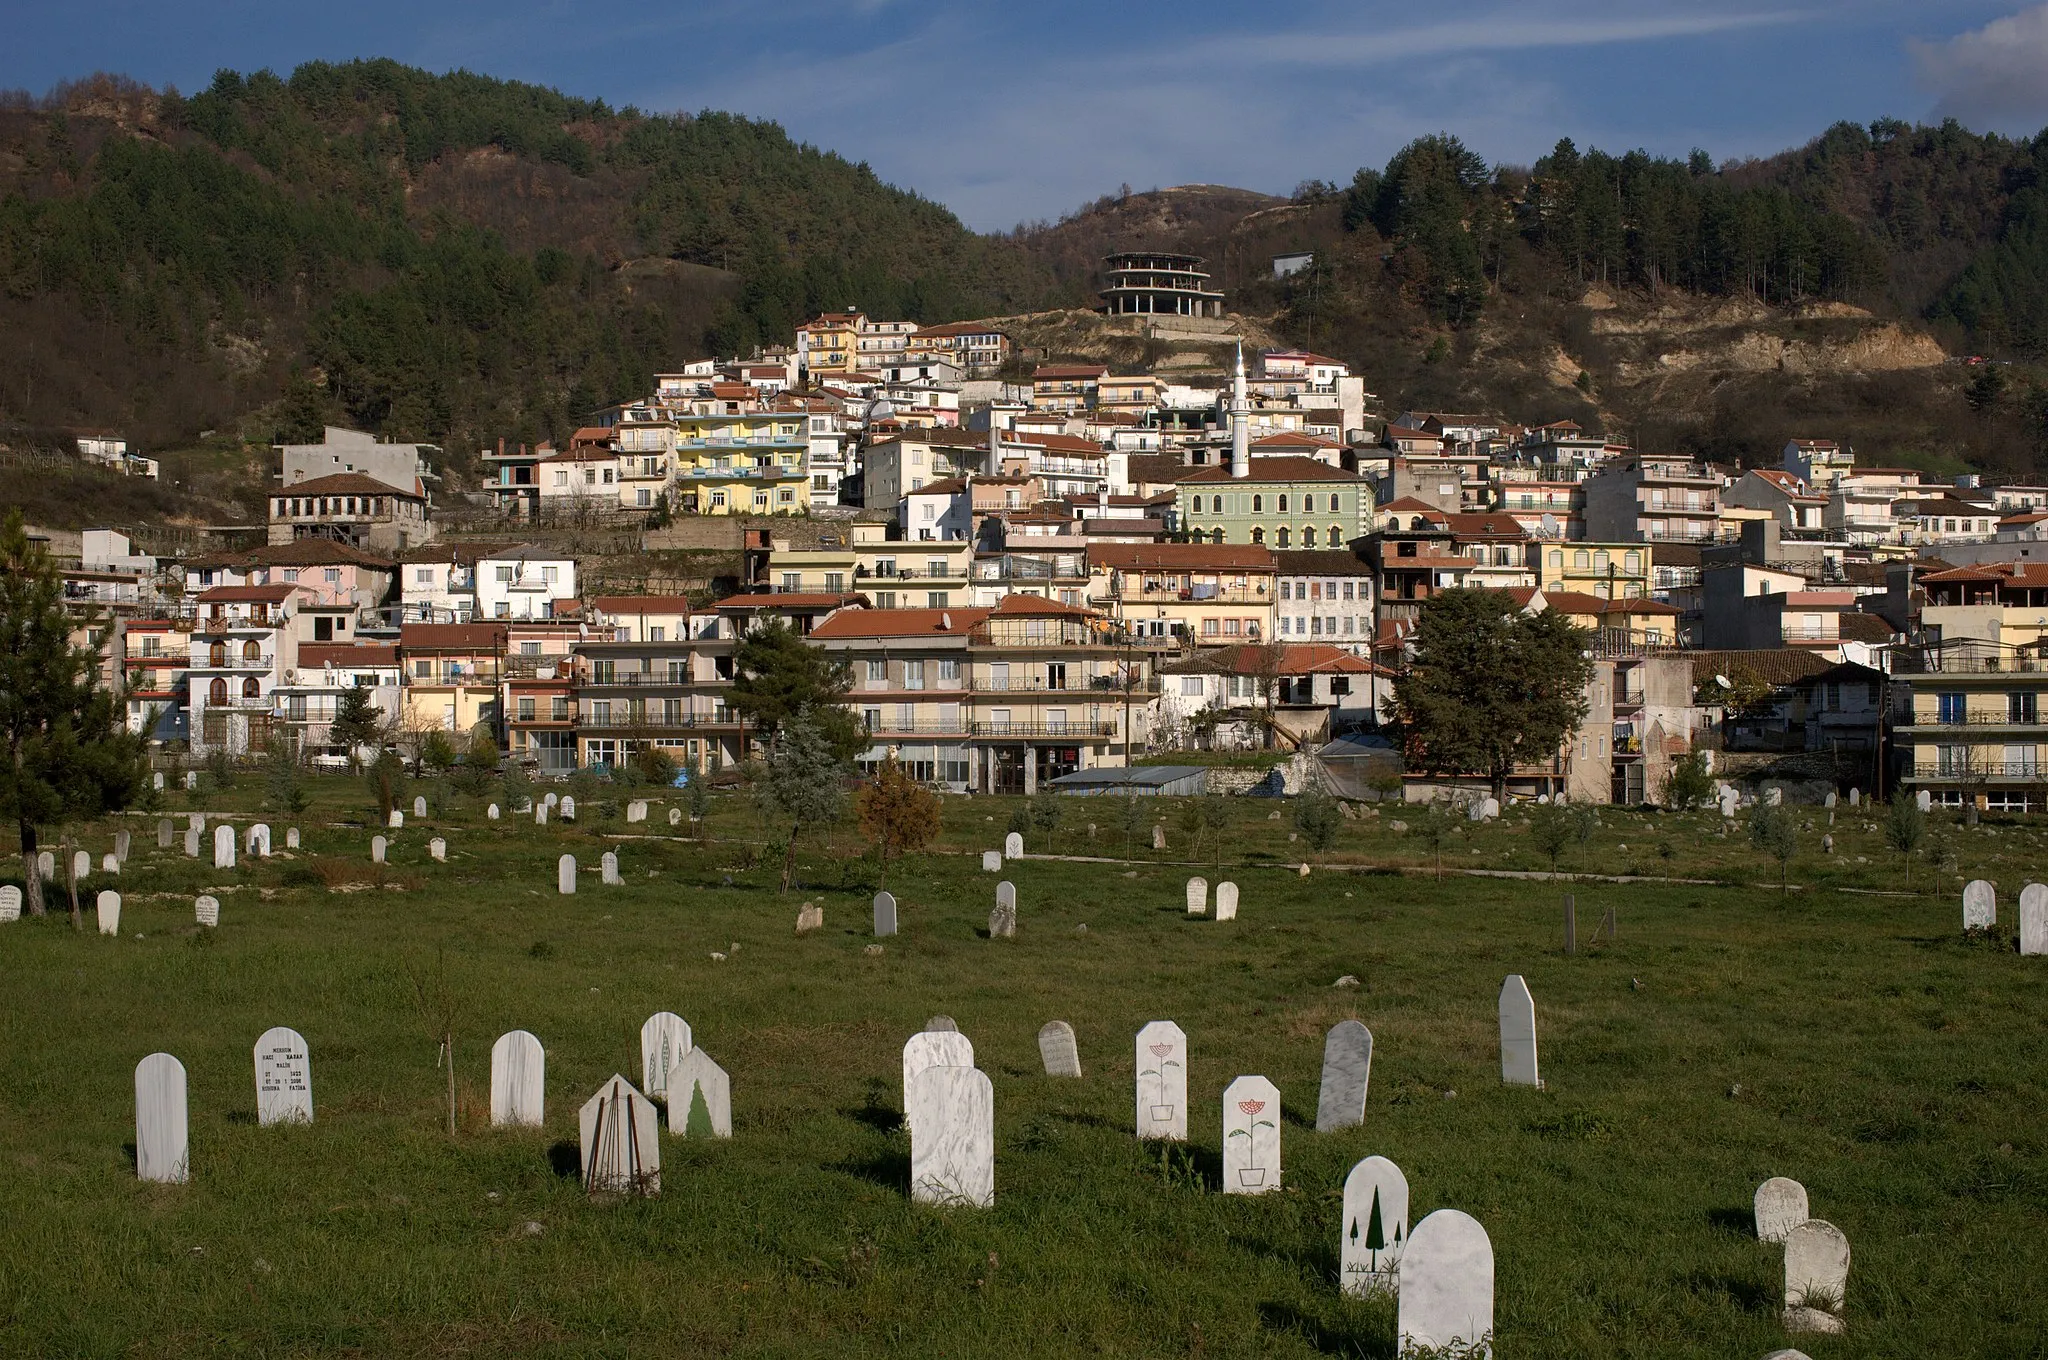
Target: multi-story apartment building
1819,463
243,641
156,653
453,674
892,573
828,347
1325,596
311,692
523,582
1283,502
978,350
1545,508
1066,388
582,478
1414,558
1204,592
743,462
1609,571
993,700
1784,496
1646,499
2001,604
645,444
659,680
1976,723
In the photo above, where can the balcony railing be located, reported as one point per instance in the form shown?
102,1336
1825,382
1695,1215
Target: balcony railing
232,663
680,722
1977,720
1991,769
1905,663
1044,729
645,680
886,728
1098,685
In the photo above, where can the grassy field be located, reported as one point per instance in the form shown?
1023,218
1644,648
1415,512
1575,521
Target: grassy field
1853,1040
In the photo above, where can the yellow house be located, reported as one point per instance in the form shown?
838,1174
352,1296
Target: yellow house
451,676
830,344
742,463
1607,571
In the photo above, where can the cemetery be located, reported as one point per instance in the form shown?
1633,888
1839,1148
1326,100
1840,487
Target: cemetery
1190,1086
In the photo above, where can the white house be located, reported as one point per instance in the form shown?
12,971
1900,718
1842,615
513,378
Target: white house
523,583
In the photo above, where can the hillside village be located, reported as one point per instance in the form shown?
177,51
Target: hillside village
1035,579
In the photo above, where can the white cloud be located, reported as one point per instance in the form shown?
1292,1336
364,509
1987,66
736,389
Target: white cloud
1994,77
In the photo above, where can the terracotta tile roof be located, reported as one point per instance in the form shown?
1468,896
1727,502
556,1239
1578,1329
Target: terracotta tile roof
1774,665
315,552
347,484
1296,658
1288,439
1275,470
866,623
1068,371
1180,556
471,637
1018,603
1857,626
1577,602
1487,525
1320,562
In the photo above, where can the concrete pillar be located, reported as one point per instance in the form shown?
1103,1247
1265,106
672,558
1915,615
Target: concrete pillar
1030,772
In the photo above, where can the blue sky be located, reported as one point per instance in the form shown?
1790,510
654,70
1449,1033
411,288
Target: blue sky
1010,112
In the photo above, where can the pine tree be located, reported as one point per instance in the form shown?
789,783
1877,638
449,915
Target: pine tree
804,780
68,753
356,723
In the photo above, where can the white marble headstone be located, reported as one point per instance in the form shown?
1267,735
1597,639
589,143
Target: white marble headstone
1924,800
1347,1074
1162,1068
162,1143
108,907
396,820
492,812
952,1118
1855,797
699,1098
991,861
223,846
931,1048
941,1024
2034,919
1780,1207
1013,845
1447,1286
1829,801
552,801
110,864
419,807
675,817
565,875
192,845
1002,922
1375,1228
1517,1033
1730,797
1226,901
195,821
291,838
885,914
46,866
284,1078
1816,1277
1158,837
636,811
540,814
165,832
81,863
664,1039
379,847
10,902
438,848
1058,1051
1198,896
156,780
121,843
260,833
1251,1137
1980,905
608,868
518,1080
620,1135
567,807
206,910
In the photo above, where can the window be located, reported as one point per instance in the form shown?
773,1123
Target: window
1230,628
835,582
1191,686
558,708
657,633
2020,707
913,675
1209,628
1580,559
1308,537
526,710
1258,505
504,576
718,500
1633,563
1287,590
423,669
792,580
1283,502
878,674
949,672
332,575
935,599
423,577
1280,535
935,566
1258,535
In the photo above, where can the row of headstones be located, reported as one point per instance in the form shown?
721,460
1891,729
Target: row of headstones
1198,899
1980,912
106,909
1816,1256
615,1154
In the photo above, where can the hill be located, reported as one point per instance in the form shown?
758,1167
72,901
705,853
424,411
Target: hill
438,257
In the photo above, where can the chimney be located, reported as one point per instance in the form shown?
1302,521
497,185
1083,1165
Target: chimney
995,444
1240,423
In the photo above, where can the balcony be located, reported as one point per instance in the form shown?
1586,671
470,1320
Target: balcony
1032,728
1098,686
2030,720
2023,771
1904,663
233,663
647,680
886,728
660,722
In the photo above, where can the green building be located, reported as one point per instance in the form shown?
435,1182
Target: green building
1283,502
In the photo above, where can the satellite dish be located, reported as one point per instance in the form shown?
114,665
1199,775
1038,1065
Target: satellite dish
1722,681
881,410
1549,524
946,621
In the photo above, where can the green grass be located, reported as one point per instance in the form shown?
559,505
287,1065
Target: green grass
1856,1042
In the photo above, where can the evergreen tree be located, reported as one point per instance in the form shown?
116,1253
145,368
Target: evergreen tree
1490,686
68,752
357,723
804,780
776,675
